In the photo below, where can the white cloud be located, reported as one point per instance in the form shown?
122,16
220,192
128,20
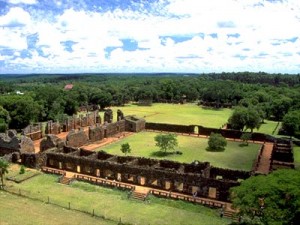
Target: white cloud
259,24
29,2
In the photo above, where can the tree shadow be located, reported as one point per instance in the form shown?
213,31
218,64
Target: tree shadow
215,150
164,154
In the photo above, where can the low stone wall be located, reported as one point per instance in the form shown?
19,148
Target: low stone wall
33,131
170,127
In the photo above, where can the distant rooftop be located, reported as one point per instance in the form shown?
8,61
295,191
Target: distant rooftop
68,86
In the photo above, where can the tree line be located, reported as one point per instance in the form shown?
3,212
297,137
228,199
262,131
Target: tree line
43,97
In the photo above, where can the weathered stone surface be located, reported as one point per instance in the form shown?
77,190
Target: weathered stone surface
120,115
76,138
108,116
51,141
9,142
12,133
26,145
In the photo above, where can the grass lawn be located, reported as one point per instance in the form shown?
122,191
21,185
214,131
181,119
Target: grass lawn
114,204
234,157
18,210
268,127
187,114
297,157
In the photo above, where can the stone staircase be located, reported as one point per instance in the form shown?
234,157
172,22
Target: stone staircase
230,213
65,180
139,196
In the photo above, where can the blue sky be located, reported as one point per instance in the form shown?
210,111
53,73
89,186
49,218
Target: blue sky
198,36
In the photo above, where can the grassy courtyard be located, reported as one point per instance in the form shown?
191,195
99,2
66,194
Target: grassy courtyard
234,157
187,114
108,203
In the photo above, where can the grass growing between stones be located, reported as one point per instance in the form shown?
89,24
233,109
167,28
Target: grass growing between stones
192,148
114,204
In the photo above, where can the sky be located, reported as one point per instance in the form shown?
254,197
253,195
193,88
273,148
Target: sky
182,36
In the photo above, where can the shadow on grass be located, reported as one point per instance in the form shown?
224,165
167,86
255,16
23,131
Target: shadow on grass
215,149
243,145
164,154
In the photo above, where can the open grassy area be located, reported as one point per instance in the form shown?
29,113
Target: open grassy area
193,148
15,210
114,204
297,157
187,114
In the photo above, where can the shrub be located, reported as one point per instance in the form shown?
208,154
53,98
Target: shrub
22,170
216,142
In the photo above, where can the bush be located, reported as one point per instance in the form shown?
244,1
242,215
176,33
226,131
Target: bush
216,142
22,170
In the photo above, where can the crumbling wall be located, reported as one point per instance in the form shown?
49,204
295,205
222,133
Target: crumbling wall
9,143
33,131
96,133
160,174
51,141
112,129
134,124
52,127
76,138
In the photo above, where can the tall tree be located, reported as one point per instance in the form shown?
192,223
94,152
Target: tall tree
271,199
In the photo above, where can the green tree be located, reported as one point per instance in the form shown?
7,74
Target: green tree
216,142
291,123
4,119
245,138
271,199
238,119
253,120
125,148
3,170
166,142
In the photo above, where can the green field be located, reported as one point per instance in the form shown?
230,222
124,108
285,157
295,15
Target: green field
193,148
15,210
297,157
187,114
110,203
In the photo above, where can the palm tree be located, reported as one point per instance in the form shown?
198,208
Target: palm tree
3,170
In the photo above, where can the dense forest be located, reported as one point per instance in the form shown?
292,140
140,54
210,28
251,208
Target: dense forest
30,98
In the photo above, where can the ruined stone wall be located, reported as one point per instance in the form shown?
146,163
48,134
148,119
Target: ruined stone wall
75,122
164,174
9,142
170,127
114,128
96,133
76,138
52,128
33,131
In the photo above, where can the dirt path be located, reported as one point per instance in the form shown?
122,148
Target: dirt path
265,159
106,141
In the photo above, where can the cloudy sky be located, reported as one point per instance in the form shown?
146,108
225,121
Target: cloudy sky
199,36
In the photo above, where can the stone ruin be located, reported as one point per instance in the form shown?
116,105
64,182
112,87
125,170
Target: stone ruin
282,155
33,131
51,141
198,178
120,115
108,116
10,142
